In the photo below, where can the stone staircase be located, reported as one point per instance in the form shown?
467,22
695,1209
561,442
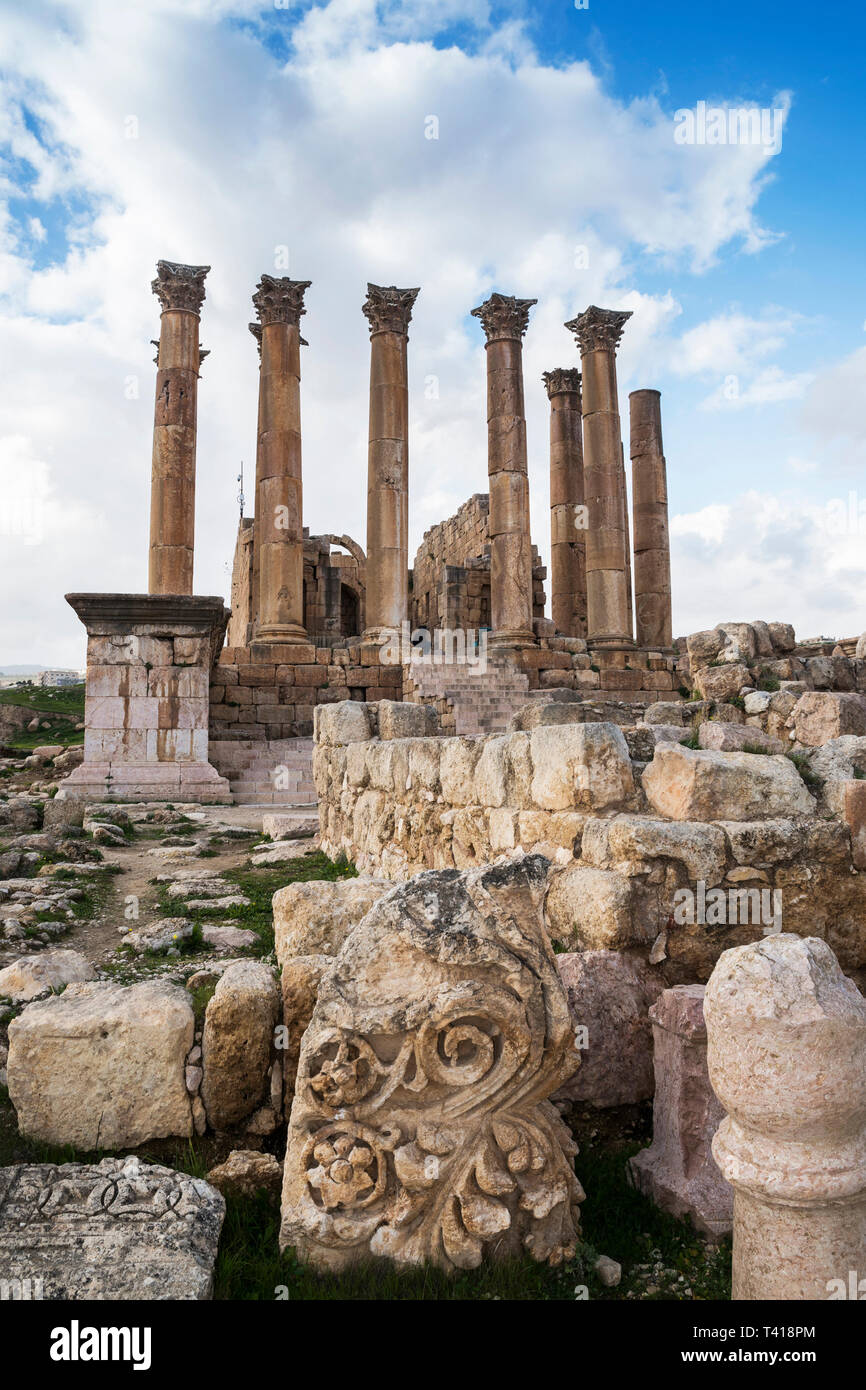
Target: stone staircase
469,702
275,772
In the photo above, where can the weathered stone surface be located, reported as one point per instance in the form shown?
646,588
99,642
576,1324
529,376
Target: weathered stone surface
32,976
628,841
315,918
301,977
346,722
609,996
286,825
787,1060
821,715
160,936
590,908
704,647
584,766
246,1172
665,712
421,1128
722,682
678,1171
283,852
102,1066
399,719
839,758
782,636
236,1043
120,1229
699,784
736,738
226,937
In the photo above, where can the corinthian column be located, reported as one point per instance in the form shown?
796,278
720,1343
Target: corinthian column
505,320
279,527
180,291
598,332
388,312
567,518
649,492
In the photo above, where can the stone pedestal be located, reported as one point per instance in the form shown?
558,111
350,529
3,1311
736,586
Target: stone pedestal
652,557
388,311
279,528
505,320
146,699
678,1171
598,332
180,290
787,1060
567,509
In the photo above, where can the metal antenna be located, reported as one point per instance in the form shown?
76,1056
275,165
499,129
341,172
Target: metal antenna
240,480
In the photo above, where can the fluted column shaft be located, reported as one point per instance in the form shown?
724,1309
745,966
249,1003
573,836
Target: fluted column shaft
598,332
505,320
180,290
649,490
279,526
567,528
388,311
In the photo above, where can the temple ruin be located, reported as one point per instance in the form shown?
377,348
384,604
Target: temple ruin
311,617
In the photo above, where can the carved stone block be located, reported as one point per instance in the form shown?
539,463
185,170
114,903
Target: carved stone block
421,1127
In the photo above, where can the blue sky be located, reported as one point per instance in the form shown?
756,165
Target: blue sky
221,131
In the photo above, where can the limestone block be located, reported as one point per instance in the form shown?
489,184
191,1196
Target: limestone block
345,722
764,842
301,976
782,636
704,647
678,1171
421,1129
32,976
590,908
839,758
245,1172
736,738
580,766
315,918
609,997
632,839
700,784
457,768
424,756
399,719
102,1066
289,825
665,712
120,1229
822,715
787,1060
236,1043
722,682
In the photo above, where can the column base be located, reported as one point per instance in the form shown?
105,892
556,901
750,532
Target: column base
613,642
275,633
127,781
511,639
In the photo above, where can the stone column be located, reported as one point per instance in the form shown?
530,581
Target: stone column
505,320
787,1059
388,311
180,291
279,526
598,332
649,492
567,515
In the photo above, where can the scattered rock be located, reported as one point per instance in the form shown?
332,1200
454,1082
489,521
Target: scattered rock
27,979
246,1172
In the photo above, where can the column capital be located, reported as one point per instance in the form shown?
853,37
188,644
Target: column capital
280,300
503,316
599,329
562,380
179,286
387,309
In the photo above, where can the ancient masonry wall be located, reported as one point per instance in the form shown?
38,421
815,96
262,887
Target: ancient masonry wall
450,584
397,805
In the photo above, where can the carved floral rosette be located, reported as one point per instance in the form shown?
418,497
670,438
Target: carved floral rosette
421,1128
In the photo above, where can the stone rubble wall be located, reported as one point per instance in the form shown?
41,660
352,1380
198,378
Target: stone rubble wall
625,832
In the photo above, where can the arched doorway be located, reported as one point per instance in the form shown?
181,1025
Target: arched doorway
350,620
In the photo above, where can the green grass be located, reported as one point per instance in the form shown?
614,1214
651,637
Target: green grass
767,681
53,699
801,762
